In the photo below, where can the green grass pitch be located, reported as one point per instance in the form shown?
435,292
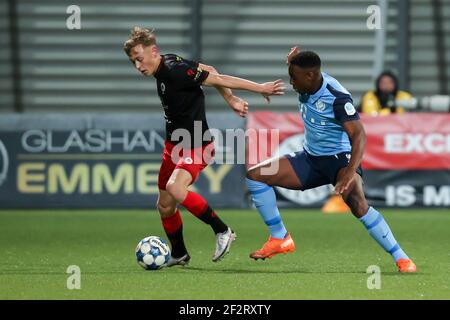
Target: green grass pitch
332,256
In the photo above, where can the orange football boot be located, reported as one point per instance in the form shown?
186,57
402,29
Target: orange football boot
406,265
274,246
335,205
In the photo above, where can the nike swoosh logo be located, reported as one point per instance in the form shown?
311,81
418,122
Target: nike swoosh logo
286,243
384,237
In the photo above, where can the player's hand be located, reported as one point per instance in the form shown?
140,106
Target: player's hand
344,181
294,50
274,88
239,106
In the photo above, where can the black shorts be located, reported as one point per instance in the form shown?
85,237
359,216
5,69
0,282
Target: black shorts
316,171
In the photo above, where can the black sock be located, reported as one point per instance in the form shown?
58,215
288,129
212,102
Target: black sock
177,242
210,217
173,226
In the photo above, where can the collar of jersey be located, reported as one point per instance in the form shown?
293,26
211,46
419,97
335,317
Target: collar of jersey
159,66
313,98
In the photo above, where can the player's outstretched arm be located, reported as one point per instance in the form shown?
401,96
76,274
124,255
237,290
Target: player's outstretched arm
274,88
357,135
239,106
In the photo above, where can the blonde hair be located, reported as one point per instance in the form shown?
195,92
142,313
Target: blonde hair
137,36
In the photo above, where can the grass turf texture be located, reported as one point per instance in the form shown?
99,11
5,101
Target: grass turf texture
332,256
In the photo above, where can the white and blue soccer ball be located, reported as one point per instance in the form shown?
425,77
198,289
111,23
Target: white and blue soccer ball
152,253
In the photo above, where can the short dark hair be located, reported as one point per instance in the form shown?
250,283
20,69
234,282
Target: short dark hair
306,60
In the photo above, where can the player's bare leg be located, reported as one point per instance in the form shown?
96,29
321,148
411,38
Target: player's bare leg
375,224
354,197
284,176
177,186
173,226
260,180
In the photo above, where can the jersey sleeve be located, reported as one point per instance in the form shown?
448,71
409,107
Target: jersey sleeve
344,110
186,73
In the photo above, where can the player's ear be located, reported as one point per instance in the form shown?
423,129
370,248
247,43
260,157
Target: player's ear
154,50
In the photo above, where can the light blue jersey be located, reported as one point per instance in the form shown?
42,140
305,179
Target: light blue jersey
323,114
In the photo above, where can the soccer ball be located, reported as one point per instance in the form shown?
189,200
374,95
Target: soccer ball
152,253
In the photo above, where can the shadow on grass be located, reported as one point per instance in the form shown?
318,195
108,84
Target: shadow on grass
259,271
290,271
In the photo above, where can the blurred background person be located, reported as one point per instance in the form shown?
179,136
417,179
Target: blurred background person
386,98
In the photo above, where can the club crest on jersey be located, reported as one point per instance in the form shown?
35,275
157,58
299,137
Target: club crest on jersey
163,87
320,106
349,109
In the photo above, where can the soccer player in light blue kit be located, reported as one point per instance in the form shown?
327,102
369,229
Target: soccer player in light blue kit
333,150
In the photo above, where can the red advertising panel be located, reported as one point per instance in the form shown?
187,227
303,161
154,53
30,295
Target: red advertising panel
411,141
406,161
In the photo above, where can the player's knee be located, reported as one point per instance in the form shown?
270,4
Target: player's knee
254,174
175,190
165,210
357,204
